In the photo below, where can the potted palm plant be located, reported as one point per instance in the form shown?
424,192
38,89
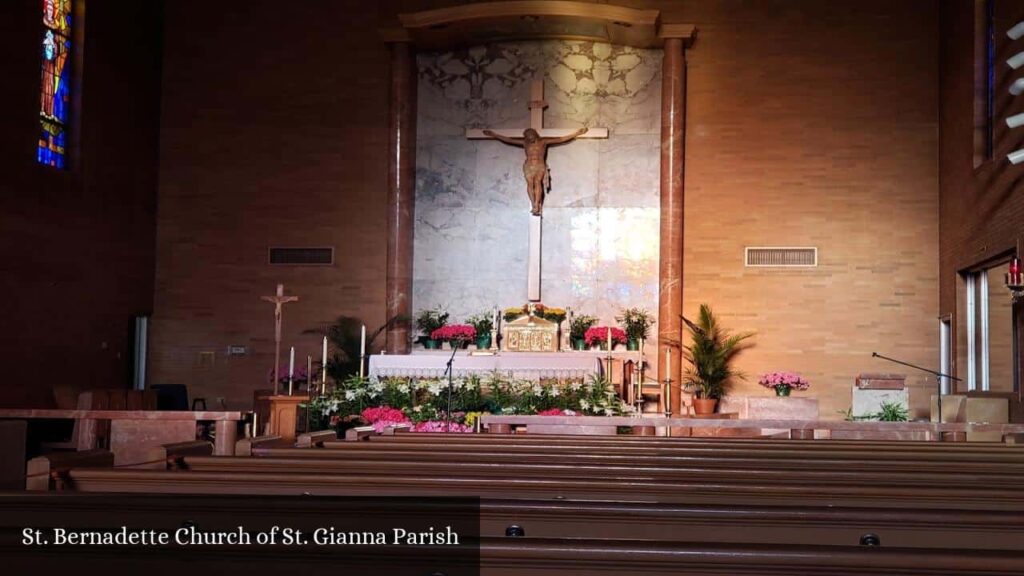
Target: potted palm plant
710,355
637,323
578,330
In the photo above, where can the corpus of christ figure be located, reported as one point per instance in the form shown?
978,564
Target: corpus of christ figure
535,169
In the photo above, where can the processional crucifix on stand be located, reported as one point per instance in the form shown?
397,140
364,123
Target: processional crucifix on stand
535,141
278,300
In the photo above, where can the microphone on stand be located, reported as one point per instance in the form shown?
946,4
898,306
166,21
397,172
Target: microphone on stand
939,377
456,345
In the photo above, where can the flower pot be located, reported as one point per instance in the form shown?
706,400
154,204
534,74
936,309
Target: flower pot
704,405
632,344
782,390
430,344
483,342
579,344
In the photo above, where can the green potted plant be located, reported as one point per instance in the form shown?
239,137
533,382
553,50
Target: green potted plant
710,355
578,330
483,323
637,323
427,322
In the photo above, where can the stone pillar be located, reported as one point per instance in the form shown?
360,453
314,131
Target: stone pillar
401,195
670,273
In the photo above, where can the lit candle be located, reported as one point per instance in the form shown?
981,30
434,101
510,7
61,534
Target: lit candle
609,338
668,363
668,383
291,369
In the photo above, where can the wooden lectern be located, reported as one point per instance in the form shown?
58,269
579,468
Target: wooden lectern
284,412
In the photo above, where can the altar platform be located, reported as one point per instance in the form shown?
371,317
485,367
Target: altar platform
522,365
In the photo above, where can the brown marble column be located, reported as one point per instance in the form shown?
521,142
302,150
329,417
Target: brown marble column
401,194
670,274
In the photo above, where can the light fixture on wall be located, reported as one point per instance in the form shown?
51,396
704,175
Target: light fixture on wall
1017,31
1015,280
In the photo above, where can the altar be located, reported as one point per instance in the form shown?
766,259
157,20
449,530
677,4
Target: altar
520,365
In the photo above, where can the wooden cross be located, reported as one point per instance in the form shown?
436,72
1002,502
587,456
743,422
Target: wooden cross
278,300
537,106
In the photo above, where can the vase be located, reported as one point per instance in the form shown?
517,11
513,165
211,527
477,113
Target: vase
431,344
483,342
632,344
579,344
782,390
702,406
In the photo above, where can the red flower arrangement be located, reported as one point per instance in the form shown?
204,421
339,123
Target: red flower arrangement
599,335
454,332
383,416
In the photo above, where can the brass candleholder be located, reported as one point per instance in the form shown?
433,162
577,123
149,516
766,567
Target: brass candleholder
667,395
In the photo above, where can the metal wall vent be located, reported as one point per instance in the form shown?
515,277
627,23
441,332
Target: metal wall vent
781,257
302,256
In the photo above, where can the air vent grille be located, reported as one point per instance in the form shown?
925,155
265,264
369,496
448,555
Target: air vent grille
302,256
781,257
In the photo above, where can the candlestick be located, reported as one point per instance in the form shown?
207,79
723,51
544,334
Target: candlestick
291,369
668,382
255,426
323,369
309,375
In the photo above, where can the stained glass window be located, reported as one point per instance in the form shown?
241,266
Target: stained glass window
55,89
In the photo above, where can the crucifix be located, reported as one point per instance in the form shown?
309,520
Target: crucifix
535,141
278,300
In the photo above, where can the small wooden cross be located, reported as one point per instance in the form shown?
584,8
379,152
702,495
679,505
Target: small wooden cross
278,300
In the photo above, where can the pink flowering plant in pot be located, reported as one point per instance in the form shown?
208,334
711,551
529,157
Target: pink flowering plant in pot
598,336
455,333
784,382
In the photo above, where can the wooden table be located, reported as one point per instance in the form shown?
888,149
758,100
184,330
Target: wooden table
134,432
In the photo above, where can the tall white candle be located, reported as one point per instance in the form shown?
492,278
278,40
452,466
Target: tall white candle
291,369
362,348
323,364
609,339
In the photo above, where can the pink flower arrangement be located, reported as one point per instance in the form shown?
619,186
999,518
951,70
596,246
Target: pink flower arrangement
442,426
556,412
383,416
599,335
784,379
454,332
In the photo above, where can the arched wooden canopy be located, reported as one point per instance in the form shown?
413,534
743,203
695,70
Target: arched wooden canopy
469,24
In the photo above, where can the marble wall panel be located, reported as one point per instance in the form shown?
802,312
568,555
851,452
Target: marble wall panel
600,239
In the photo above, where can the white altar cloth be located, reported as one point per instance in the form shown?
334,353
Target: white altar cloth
523,365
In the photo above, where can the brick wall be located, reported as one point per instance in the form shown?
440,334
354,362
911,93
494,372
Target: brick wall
981,208
808,123
274,133
76,246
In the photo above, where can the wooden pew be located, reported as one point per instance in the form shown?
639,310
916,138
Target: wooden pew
618,521
173,455
1006,454
315,439
50,472
246,446
788,492
641,470
594,458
